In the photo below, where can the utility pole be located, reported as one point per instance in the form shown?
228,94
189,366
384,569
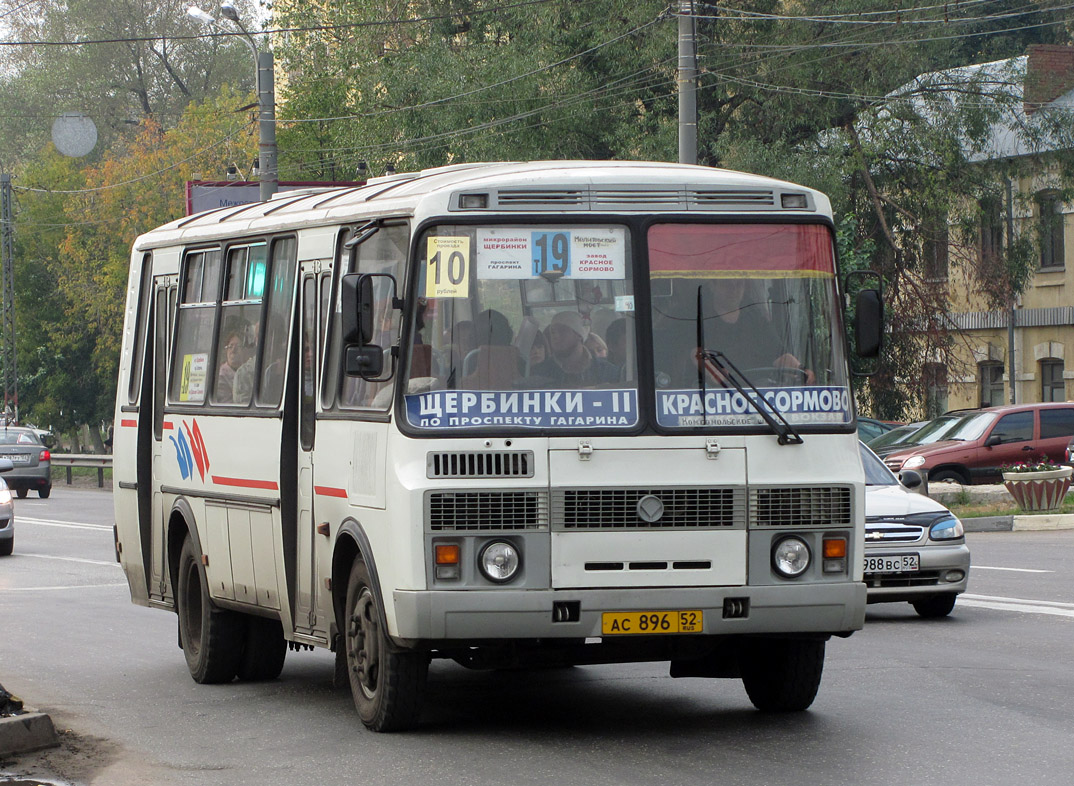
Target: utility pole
687,83
7,307
1012,373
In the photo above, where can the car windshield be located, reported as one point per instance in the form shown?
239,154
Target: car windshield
523,326
764,296
970,427
19,438
876,474
896,436
935,430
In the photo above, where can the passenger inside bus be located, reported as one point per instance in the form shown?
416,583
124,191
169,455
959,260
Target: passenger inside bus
737,321
233,360
244,375
570,362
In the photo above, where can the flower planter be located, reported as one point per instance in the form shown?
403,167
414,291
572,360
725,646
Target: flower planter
1044,490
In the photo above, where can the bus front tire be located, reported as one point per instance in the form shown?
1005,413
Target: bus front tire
212,638
387,686
782,675
264,650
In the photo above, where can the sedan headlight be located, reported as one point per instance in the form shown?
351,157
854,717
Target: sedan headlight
791,557
913,462
499,561
5,496
947,529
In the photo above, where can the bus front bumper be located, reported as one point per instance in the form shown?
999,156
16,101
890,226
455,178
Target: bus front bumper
525,614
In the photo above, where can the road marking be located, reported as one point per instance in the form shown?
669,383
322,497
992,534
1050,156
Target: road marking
62,587
1017,570
70,559
1020,605
67,524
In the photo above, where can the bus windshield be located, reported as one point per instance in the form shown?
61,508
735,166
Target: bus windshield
523,326
764,296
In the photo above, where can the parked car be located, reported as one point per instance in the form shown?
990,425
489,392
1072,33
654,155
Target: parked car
929,431
31,459
871,428
7,513
981,442
1070,452
915,548
896,436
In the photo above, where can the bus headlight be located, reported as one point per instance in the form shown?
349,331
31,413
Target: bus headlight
499,561
790,557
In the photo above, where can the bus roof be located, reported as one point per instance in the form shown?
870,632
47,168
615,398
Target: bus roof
538,186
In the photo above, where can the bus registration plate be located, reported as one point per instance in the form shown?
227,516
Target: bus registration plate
648,623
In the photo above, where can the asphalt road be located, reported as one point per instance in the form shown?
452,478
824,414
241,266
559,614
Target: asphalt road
982,697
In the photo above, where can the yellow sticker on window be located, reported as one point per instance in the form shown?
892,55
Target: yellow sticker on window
448,272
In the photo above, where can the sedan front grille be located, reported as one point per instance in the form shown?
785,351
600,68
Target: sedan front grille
454,511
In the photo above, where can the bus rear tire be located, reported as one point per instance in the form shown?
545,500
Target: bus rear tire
387,686
782,675
264,650
212,638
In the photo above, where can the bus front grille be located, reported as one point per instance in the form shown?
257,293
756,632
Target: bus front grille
455,511
604,509
479,464
806,506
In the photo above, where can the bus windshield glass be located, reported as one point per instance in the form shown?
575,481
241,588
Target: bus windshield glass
523,327
764,295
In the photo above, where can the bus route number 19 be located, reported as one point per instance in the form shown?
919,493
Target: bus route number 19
551,253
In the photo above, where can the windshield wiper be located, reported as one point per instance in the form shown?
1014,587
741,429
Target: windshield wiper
739,381
729,371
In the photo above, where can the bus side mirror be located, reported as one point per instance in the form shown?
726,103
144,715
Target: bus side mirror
868,323
357,306
366,361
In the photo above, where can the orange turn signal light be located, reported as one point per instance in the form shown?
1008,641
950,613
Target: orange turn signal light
447,554
835,548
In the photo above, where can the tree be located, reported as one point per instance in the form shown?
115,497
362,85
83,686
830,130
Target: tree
143,59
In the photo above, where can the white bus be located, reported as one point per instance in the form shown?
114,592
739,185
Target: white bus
510,414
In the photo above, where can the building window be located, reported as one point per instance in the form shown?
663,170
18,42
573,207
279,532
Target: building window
935,379
1052,387
936,248
1050,212
991,376
991,229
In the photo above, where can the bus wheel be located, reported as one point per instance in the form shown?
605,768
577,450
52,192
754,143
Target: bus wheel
782,675
264,650
211,637
387,686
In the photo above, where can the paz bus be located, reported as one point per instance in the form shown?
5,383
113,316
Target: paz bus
509,414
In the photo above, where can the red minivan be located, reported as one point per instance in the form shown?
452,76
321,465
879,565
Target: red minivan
985,440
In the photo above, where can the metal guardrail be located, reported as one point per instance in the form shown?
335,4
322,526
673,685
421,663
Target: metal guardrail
99,460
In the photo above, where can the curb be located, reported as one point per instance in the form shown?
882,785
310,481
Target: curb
29,731
988,524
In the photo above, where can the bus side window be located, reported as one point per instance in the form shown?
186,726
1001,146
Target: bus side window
239,331
277,321
383,252
194,332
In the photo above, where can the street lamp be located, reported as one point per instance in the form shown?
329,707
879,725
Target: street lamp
264,74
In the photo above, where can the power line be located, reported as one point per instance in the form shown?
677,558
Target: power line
282,30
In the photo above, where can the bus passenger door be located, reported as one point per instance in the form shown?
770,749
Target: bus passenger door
308,541
164,293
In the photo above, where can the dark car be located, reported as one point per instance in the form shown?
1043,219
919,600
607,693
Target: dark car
31,460
926,432
981,442
871,428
